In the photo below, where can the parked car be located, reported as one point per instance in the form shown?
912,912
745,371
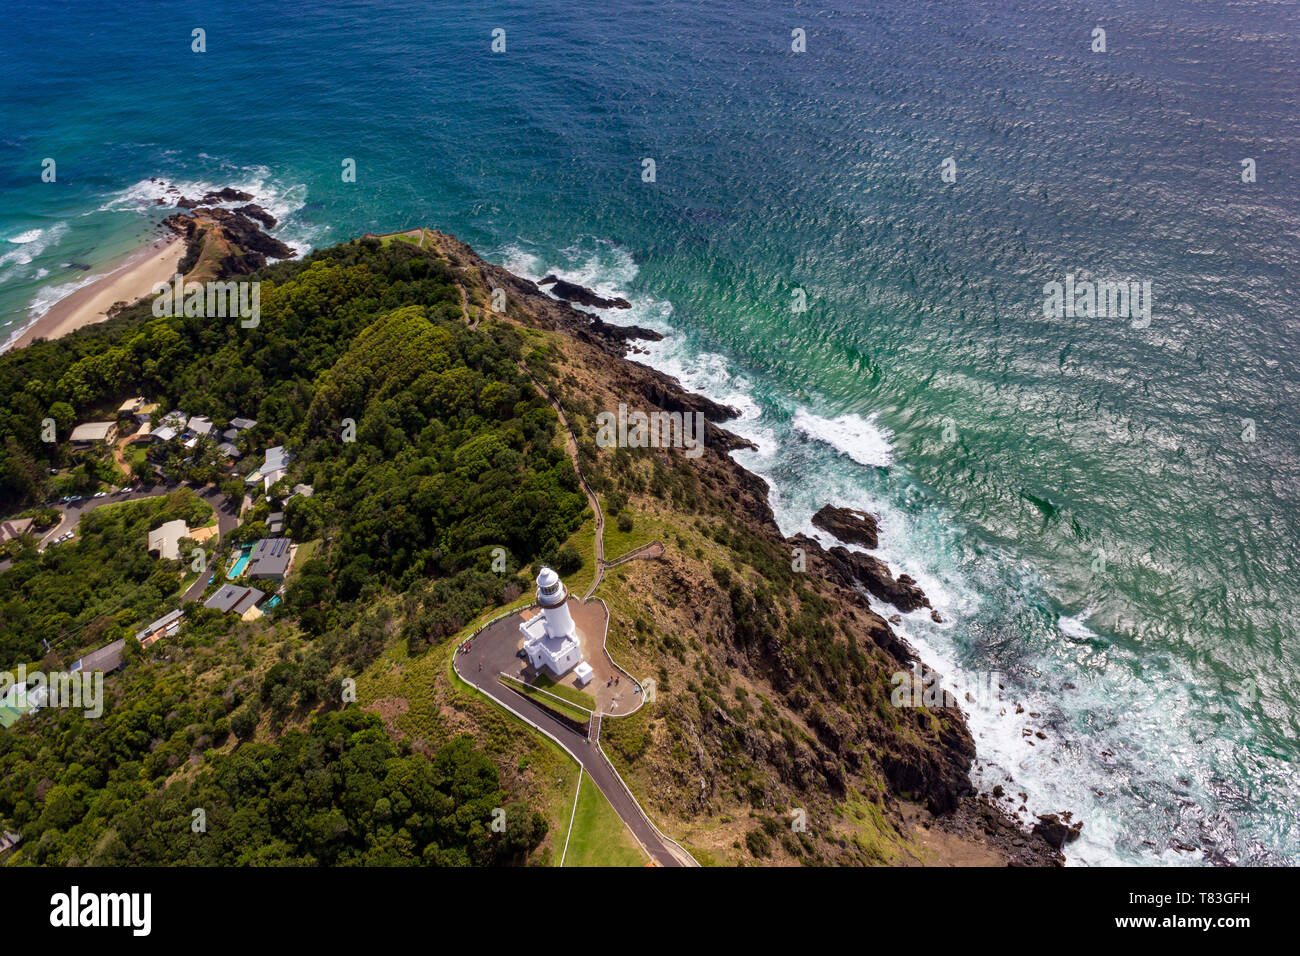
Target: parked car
100,494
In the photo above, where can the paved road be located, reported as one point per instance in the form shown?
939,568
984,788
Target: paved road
585,751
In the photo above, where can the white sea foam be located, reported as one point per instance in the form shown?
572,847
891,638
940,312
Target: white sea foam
28,245
1074,626
44,299
862,439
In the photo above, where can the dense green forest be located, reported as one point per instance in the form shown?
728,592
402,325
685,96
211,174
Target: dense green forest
339,793
97,587
450,453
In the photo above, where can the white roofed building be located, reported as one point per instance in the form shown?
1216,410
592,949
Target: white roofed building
92,433
550,638
165,539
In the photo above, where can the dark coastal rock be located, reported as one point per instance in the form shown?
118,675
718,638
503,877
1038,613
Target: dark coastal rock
622,333
1055,831
240,245
935,776
228,194
978,818
254,211
572,292
245,233
874,575
848,525
858,527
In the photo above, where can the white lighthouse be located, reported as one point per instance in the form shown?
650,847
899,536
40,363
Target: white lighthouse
553,597
550,638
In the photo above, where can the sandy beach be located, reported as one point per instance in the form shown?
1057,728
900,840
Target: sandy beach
130,281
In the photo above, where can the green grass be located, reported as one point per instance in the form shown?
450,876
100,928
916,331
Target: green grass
305,552
550,703
571,694
599,837
644,530
584,540
870,832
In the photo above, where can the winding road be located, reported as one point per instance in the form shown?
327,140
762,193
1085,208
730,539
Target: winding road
583,747
502,633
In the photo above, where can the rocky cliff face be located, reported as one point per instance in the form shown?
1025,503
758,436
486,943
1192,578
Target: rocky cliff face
221,242
774,671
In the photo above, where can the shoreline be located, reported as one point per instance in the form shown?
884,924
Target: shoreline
128,281
978,830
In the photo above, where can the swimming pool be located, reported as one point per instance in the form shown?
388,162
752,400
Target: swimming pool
241,562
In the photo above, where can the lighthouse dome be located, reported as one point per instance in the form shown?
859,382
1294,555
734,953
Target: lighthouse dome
550,589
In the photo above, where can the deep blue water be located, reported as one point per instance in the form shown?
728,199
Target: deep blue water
1074,493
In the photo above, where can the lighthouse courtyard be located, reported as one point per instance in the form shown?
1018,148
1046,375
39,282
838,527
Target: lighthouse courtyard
500,649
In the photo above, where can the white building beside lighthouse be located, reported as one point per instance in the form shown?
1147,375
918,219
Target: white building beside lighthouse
550,638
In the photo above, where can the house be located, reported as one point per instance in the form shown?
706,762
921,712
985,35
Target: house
165,626
275,522
107,658
551,638
235,598
17,702
270,559
272,469
305,490
165,539
243,424
175,420
130,407
14,528
165,433
199,425
229,450
91,433
144,413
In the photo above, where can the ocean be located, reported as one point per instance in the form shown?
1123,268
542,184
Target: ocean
853,245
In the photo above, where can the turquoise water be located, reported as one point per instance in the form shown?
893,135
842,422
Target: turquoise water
1075,494
240,564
